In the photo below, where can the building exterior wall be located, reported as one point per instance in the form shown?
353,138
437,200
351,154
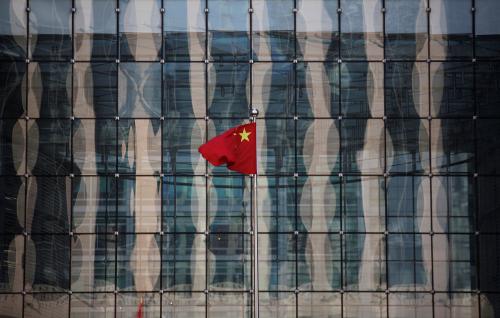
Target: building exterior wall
378,189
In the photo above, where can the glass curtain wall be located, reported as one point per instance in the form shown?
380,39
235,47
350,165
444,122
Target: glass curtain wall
378,158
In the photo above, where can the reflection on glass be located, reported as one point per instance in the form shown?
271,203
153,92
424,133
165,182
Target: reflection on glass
12,29
95,30
451,29
228,25
12,74
140,30
273,36
362,26
405,29
49,90
229,263
139,93
317,29
184,29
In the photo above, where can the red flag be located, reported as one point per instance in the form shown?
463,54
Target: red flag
236,147
139,309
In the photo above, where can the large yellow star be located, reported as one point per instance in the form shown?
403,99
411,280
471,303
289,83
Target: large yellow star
244,135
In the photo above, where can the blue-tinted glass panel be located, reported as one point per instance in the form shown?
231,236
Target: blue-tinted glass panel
50,25
12,101
228,30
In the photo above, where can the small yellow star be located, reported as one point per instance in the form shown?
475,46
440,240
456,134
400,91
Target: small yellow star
244,135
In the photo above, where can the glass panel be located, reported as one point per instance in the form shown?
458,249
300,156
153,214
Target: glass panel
11,260
277,203
406,89
184,262
408,204
318,261
184,204
489,204
95,90
94,204
140,29
138,204
277,153
487,94
451,305
49,91
452,145
451,29
317,29
277,304
318,90
181,139
229,305
406,29
273,89
362,89
277,259
184,90
415,305
362,145
50,29
46,305
184,29
49,209
94,146
139,144
140,90
93,305
229,204
13,29
138,265
127,304
318,304
488,146
454,204
12,82
95,30
365,305
12,145
47,263
318,203
364,266
487,31
49,147
363,204
12,204
407,147
452,89
409,262
489,305
227,89
317,146
273,24
488,273
362,29
229,263
11,304
228,25
184,305
454,262
93,266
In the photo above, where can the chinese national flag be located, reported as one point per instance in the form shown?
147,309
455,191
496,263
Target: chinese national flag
235,147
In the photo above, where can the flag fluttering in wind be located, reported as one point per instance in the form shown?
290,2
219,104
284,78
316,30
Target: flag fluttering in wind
236,147
139,308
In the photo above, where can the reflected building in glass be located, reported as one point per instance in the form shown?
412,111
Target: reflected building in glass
378,155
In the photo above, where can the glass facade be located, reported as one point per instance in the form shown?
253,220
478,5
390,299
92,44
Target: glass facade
378,192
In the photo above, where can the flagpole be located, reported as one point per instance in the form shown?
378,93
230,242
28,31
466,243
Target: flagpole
255,230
